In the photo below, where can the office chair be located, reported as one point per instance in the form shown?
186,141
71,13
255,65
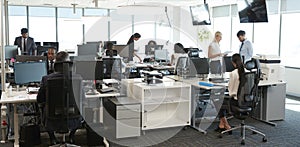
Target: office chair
62,95
247,99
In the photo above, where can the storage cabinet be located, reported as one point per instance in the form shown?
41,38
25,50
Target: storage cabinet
163,105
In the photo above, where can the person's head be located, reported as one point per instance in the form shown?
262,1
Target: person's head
136,36
60,57
151,42
218,36
109,45
238,64
24,32
178,48
51,53
241,35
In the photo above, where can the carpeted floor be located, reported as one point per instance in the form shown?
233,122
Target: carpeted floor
286,133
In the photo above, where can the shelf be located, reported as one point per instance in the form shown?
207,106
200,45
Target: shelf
172,122
165,101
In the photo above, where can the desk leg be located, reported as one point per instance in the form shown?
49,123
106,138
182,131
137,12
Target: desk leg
16,126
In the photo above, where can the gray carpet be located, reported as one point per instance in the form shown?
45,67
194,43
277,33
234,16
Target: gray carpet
286,133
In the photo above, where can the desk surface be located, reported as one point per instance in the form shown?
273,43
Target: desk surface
18,97
102,95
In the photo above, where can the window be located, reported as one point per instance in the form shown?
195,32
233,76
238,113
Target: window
223,24
17,20
70,28
290,44
42,26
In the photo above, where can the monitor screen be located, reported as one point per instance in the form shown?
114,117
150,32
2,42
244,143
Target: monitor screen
200,14
122,50
87,49
11,51
252,11
89,70
215,67
42,50
38,43
199,66
161,55
112,68
149,49
228,64
105,43
29,72
51,44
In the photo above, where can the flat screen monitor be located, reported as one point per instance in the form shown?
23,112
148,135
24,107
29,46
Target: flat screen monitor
38,43
161,55
215,67
112,68
149,49
29,72
199,66
11,51
87,49
228,64
251,11
200,14
42,50
105,43
89,70
122,50
29,58
51,44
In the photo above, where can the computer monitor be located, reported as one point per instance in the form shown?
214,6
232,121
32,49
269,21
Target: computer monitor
161,55
51,44
11,51
89,70
122,50
29,58
215,67
149,49
29,72
199,66
112,68
38,43
88,49
228,64
105,43
42,50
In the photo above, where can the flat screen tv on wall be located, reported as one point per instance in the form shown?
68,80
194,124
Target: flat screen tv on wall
252,11
200,14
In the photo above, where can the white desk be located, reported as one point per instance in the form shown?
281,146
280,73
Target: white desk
17,98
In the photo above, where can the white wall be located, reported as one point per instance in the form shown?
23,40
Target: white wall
292,80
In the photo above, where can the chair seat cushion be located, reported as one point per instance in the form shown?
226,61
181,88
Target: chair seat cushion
241,109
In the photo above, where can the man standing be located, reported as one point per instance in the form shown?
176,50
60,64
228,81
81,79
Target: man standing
25,43
246,49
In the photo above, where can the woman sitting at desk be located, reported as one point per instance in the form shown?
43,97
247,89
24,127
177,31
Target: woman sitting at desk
233,86
178,52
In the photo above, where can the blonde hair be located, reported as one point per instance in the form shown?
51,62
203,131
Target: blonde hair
218,33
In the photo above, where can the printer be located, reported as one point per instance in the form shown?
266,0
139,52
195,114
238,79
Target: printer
272,70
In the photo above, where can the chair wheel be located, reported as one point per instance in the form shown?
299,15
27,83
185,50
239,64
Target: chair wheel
264,139
243,142
254,132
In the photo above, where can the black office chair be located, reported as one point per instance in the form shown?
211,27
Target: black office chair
62,96
247,99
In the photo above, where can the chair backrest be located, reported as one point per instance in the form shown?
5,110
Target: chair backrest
63,100
248,87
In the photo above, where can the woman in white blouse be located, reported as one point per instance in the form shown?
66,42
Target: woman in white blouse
233,86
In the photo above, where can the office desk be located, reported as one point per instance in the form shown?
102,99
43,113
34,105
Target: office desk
17,98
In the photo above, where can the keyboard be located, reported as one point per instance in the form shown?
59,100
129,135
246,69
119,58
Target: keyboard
106,90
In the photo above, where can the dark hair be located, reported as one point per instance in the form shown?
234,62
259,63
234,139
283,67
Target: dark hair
136,35
236,58
60,58
109,45
178,48
24,30
151,42
240,33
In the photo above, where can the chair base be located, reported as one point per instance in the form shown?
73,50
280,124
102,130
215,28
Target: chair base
243,128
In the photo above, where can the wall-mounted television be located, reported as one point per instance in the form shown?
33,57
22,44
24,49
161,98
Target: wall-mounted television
200,14
252,11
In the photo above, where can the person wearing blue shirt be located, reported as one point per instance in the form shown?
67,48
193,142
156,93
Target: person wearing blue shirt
246,48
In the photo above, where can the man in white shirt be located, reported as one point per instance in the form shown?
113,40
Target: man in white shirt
246,49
